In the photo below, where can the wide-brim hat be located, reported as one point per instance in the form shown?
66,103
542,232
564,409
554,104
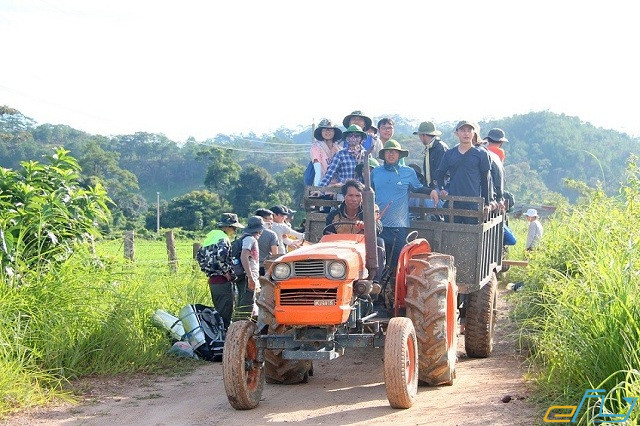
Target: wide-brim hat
496,135
368,122
531,213
254,224
427,128
392,144
327,124
229,219
354,128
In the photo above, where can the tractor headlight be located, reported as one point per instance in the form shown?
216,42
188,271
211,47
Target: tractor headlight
337,269
282,271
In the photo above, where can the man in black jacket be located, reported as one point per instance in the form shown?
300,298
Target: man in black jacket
434,149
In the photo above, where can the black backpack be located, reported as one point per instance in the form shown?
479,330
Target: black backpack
236,251
214,334
215,259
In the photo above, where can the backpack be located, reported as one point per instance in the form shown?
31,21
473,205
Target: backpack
236,251
214,334
309,174
215,259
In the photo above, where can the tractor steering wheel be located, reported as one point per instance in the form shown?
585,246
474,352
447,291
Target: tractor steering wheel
411,236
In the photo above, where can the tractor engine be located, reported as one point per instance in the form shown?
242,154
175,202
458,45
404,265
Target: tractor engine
318,285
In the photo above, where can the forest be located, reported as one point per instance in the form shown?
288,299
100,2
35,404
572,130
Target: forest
195,181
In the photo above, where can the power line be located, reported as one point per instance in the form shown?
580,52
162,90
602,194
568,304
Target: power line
257,152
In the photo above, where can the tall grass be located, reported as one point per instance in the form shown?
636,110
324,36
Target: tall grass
580,308
91,315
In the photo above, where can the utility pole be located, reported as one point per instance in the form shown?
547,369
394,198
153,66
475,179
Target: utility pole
157,212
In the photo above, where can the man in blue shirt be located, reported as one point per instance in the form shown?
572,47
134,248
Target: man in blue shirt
392,183
468,168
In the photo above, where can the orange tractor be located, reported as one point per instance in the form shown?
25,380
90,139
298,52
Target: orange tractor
318,300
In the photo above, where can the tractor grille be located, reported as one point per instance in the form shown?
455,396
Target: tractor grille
308,297
309,268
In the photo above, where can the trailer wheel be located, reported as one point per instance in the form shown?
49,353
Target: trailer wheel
277,369
243,375
481,320
431,305
401,363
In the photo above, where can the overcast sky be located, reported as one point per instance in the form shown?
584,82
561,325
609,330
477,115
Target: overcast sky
198,68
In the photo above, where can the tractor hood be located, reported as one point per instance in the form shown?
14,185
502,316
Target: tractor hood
346,247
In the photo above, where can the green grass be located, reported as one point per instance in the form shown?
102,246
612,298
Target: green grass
579,310
90,316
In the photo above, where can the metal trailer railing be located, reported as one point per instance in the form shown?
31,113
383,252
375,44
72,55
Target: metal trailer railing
477,248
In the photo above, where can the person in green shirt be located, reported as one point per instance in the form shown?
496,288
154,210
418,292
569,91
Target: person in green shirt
221,284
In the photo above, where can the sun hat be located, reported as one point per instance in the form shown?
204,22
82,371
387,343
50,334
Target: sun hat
367,120
229,219
496,135
531,213
325,123
392,144
427,128
465,123
354,128
255,224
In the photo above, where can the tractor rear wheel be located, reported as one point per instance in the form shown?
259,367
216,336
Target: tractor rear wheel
277,369
401,363
243,375
481,320
431,304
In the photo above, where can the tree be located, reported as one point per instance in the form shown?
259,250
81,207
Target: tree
193,211
44,211
254,184
222,171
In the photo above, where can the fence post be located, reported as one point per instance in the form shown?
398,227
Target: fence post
196,247
129,248
171,250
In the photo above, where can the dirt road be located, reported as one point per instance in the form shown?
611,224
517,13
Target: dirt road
348,390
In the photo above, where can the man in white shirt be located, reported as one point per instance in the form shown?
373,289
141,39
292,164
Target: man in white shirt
283,229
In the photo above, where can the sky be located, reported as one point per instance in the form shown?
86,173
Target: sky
196,68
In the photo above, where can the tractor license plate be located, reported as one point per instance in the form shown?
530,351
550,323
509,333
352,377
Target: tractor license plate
324,302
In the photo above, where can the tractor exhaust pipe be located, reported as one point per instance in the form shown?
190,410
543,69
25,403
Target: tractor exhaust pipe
368,197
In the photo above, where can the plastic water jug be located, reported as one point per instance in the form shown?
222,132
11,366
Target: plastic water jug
194,334
167,321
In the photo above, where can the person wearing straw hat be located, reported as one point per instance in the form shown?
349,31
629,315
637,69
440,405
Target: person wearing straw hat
221,284
535,229
343,165
392,183
434,150
328,142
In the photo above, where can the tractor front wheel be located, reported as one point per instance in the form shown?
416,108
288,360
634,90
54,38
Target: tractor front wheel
243,375
401,363
277,369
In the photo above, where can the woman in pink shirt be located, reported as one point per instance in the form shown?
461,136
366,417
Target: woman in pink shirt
328,142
